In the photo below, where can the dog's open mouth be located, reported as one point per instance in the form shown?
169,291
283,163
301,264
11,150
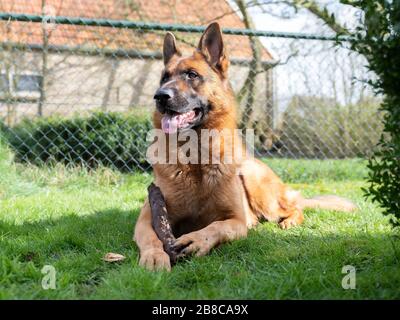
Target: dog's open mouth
172,121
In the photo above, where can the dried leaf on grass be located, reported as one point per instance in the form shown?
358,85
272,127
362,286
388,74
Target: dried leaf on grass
113,257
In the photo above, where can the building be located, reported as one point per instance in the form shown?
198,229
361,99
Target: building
48,69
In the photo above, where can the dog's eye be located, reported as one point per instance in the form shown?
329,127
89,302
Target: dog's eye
192,75
165,77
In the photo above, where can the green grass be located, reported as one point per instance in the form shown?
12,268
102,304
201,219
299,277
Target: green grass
69,218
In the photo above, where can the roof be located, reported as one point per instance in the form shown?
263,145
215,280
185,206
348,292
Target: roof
161,11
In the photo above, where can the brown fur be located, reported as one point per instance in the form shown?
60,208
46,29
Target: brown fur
209,204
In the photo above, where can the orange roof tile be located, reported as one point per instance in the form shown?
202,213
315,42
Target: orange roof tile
161,11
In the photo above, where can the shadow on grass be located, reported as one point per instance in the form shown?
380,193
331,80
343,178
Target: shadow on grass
269,264
71,233
73,244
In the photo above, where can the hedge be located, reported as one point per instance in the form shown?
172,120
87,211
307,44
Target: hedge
107,139
378,39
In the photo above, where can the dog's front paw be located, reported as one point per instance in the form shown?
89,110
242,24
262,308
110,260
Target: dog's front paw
197,242
155,259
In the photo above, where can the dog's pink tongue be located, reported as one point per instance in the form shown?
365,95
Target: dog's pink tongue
169,124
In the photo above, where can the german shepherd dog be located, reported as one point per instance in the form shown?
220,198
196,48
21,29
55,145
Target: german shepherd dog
209,204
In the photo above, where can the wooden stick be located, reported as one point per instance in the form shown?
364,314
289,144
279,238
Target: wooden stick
160,221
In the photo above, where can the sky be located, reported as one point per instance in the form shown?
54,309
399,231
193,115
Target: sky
301,21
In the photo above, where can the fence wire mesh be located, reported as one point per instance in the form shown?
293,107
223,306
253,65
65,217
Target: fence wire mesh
79,90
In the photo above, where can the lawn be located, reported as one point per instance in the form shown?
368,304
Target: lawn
69,218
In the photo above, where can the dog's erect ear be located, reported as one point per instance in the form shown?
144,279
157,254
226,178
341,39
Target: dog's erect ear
169,47
211,46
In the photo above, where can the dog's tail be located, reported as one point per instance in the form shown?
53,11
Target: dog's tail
328,202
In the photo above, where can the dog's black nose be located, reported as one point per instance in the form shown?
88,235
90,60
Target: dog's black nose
163,95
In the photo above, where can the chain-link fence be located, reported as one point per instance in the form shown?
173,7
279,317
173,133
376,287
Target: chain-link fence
79,90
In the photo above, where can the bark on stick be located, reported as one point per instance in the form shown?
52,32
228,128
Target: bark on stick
160,221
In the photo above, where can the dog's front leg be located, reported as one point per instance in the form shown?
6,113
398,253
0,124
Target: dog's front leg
200,242
152,254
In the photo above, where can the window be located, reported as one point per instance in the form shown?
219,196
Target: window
27,83
3,83
20,86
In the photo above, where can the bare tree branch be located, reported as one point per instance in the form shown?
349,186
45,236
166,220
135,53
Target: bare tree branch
311,5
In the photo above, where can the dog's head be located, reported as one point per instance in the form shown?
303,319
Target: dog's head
192,87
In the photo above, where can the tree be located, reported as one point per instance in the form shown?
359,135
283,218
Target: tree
45,55
338,65
378,39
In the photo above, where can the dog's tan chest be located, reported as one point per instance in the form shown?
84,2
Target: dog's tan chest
190,195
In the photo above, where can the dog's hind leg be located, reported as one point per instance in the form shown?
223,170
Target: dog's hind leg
293,220
290,212
271,199
268,197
